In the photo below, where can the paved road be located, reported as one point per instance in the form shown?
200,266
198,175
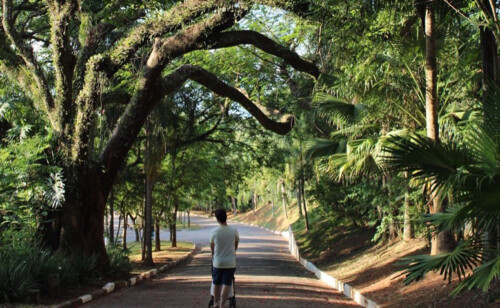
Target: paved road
267,276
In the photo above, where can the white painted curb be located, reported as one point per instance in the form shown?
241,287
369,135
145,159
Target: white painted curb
86,298
109,287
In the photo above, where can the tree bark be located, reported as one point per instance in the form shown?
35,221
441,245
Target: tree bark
111,217
299,199
148,204
118,229
304,203
157,235
148,222
174,225
82,215
407,232
137,235
490,80
125,226
233,204
283,196
254,201
441,242
272,202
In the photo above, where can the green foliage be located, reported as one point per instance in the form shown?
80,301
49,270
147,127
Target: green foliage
119,262
465,169
25,264
464,257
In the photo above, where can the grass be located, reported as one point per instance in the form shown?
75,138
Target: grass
265,217
328,239
181,226
166,255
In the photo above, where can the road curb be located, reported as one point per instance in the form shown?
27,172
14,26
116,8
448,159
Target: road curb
333,282
110,287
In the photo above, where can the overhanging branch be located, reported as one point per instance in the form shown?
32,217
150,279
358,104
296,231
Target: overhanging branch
234,38
211,82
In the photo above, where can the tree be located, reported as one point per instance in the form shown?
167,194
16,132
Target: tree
89,45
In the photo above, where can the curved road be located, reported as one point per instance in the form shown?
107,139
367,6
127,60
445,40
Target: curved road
266,276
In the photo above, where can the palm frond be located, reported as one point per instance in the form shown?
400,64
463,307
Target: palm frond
481,277
438,163
465,256
337,111
323,147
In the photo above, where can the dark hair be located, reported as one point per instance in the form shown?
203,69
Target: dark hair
221,215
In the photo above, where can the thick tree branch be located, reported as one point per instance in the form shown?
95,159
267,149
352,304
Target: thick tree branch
210,81
95,36
149,92
63,59
234,38
28,56
174,19
9,58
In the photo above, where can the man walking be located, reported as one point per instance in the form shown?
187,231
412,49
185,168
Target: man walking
223,242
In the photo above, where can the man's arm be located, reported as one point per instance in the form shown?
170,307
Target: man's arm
212,247
236,240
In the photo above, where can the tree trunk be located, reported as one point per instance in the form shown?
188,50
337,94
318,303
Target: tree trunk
111,217
233,204
189,217
283,197
254,201
82,215
119,226
272,201
148,226
304,203
174,226
407,232
49,230
441,242
137,235
299,200
125,226
157,236
490,80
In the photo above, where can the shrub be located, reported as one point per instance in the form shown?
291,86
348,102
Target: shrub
120,265
25,265
15,278
85,267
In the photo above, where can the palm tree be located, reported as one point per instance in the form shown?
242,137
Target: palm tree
467,169
354,150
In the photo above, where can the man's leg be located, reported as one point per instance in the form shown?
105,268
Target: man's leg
217,281
217,295
224,294
227,284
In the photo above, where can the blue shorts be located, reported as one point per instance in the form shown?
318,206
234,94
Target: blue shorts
223,276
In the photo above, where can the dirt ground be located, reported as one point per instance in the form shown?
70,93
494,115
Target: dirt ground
375,273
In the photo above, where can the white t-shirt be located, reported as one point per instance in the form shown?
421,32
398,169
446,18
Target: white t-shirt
224,238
